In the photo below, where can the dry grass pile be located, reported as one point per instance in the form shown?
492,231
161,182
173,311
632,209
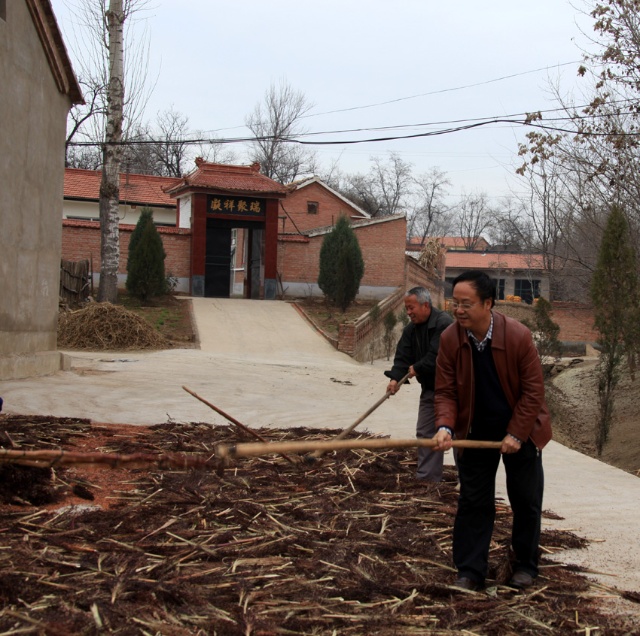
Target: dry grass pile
104,326
350,545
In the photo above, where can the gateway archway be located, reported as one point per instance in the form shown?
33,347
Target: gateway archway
233,215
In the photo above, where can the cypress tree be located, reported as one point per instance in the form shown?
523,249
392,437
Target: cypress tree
341,265
145,266
614,292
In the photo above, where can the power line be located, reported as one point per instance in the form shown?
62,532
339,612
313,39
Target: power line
440,91
436,92
518,119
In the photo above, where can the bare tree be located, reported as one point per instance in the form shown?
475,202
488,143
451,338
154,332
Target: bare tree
429,210
90,41
385,189
275,124
112,153
87,157
577,173
474,218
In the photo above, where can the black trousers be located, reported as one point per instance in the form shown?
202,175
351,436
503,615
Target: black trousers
476,514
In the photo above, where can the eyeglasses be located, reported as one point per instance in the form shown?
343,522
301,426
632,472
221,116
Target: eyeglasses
464,306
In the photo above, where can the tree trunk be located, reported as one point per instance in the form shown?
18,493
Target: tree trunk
112,153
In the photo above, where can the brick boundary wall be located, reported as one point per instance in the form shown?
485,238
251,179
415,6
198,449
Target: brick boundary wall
81,240
575,321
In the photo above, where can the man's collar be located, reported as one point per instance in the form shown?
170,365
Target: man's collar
480,345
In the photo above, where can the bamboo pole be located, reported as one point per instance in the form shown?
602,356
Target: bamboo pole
225,451
317,454
51,458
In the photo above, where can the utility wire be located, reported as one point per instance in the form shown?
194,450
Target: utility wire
519,119
442,90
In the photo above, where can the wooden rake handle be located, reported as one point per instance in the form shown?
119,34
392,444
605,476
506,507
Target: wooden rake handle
235,422
252,450
317,454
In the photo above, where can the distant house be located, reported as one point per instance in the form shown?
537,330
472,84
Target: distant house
38,89
451,243
516,274
522,275
309,213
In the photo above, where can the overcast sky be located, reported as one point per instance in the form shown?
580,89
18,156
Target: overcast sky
377,63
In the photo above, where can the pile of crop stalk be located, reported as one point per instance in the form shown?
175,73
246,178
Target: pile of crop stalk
104,326
349,545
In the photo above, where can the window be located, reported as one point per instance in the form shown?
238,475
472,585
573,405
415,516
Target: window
499,288
312,207
527,289
3,10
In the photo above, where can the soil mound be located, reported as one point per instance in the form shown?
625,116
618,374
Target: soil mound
106,326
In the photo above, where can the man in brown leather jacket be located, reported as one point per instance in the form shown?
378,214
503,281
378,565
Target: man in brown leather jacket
489,386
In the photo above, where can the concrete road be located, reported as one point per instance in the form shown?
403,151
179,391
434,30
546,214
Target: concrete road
264,365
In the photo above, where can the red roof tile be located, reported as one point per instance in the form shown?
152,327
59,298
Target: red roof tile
492,260
226,178
140,189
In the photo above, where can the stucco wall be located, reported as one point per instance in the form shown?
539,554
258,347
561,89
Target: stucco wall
33,114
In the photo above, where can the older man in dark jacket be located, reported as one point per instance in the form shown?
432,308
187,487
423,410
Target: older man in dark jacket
416,355
489,386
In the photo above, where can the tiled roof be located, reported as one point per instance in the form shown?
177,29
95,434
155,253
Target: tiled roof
140,189
225,178
492,260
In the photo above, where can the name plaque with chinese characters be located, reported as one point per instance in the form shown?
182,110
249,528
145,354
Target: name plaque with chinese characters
243,206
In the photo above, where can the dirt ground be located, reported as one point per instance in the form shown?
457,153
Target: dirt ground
349,545
573,398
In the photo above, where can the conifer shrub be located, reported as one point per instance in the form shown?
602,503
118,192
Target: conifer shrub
145,266
341,265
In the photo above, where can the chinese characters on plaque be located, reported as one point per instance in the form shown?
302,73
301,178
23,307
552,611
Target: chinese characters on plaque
246,206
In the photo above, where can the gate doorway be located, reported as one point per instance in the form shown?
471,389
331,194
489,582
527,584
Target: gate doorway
234,259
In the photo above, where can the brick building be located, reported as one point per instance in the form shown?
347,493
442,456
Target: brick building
217,246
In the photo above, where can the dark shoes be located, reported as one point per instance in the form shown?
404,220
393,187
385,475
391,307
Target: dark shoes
464,583
521,580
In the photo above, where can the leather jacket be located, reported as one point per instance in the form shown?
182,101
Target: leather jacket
520,373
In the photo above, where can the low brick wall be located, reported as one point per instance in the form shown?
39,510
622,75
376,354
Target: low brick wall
81,240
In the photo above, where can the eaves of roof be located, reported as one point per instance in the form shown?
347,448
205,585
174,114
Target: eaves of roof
303,183
357,223
493,261
223,178
55,50
138,189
